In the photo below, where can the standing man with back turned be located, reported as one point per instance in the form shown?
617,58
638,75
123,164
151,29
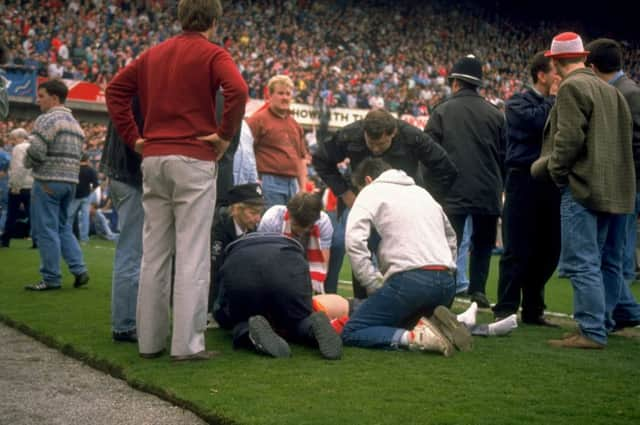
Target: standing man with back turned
605,59
176,83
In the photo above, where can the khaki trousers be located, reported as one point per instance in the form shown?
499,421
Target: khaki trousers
178,199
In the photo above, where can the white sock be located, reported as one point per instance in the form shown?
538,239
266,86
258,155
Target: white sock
469,316
504,326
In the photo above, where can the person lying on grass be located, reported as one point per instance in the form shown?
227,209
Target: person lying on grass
339,308
265,296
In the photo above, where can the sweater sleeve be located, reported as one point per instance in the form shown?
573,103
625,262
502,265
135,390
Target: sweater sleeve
119,95
325,162
526,117
37,151
357,234
235,92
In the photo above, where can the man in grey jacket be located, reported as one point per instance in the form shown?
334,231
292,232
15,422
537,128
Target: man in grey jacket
605,59
587,153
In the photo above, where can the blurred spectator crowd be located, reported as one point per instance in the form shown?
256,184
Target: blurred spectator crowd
357,54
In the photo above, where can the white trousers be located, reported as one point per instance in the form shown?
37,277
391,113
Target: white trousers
179,195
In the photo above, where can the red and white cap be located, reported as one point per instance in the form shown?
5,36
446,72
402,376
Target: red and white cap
566,45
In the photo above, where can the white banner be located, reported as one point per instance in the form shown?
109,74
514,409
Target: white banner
308,116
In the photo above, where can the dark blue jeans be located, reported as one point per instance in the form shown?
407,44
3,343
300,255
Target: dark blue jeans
404,298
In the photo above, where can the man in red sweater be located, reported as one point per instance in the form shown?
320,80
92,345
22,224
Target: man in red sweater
176,82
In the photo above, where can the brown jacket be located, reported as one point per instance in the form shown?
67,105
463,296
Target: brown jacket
587,144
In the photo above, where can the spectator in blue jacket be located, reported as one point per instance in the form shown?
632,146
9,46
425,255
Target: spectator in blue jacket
531,213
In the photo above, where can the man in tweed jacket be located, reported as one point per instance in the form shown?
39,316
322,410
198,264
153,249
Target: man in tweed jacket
54,156
587,153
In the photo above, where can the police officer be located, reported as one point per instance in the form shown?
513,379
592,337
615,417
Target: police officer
472,131
242,216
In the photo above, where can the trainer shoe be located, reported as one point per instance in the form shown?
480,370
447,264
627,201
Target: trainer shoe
266,340
329,342
576,340
427,337
453,330
41,286
81,280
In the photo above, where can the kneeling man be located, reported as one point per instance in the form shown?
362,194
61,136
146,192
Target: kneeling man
415,277
265,296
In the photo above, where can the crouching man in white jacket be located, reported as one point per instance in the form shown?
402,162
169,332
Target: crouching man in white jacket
415,277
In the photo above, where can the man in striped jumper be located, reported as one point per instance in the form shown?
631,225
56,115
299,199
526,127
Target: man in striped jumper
54,157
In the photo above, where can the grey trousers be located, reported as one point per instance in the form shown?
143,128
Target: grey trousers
179,195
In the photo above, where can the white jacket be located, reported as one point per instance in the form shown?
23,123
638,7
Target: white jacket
19,176
414,229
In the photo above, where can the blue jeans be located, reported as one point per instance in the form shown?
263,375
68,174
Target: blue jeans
404,298
4,200
629,265
278,190
462,277
103,226
81,206
336,256
127,200
591,255
50,202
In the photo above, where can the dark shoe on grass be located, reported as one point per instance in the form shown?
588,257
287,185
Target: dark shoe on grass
539,321
41,286
329,342
153,355
622,324
128,336
266,340
453,330
81,280
481,299
202,355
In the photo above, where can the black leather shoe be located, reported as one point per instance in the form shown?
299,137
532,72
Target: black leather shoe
81,280
621,324
128,336
481,299
539,321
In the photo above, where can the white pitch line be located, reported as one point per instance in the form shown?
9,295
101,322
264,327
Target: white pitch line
466,301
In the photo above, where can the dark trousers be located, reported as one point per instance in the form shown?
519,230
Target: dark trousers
13,212
483,240
531,237
265,276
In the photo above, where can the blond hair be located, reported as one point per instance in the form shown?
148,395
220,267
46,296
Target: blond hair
279,79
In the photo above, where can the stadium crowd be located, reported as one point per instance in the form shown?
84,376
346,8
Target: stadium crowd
377,54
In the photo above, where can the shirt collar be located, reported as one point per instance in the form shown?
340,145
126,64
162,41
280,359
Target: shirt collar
616,77
239,231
